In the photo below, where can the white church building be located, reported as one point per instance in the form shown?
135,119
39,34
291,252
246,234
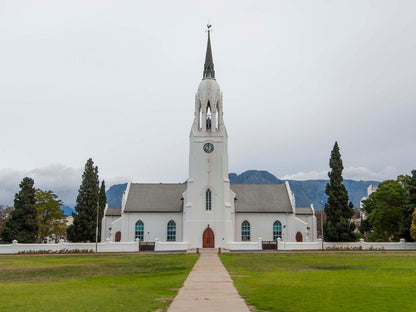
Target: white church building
207,211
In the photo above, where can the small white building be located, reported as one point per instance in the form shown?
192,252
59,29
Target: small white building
207,211
370,190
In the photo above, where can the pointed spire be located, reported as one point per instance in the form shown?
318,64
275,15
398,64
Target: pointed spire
209,71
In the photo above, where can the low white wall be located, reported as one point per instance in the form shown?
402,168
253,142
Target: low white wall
171,246
245,245
282,245
361,245
402,245
16,247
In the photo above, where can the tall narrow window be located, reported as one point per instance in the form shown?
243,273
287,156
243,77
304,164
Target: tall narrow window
171,230
245,231
200,117
277,230
208,201
209,113
139,230
217,119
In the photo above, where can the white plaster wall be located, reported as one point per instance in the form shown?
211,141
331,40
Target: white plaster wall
155,225
261,225
106,224
309,221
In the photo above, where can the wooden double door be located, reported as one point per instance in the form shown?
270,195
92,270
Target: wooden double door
208,239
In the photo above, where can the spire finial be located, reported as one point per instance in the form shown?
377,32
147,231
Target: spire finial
209,71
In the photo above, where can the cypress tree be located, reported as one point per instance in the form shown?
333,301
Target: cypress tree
83,227
338,227
102,201
411,188
22,224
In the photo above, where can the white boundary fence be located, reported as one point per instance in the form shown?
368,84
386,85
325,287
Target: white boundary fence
171,246
361,245
241,246
63,247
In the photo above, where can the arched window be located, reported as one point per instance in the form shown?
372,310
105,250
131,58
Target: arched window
217,119
171,230
209,113
139,230
208,200
277,230
200,117
245,231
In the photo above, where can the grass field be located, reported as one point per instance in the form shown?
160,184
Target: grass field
325,282
91,282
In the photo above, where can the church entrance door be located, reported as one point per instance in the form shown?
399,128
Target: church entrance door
299,237
208,238
118,236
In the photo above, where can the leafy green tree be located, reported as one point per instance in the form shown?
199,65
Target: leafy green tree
102,201
413,226
51,218
84,225
5,213
385,209
22,224
338,226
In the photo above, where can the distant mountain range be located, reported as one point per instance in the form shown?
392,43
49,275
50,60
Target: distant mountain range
68,210
306,192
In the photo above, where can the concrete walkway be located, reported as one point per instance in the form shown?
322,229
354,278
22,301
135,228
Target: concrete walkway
208,288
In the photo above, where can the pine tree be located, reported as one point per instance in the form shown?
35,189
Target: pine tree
102,201
84,225
338,227
22,224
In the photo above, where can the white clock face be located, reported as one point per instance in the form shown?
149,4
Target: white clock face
208,147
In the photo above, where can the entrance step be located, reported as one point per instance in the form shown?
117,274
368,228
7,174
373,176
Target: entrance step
208,250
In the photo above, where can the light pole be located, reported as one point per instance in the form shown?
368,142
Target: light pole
284,238
322,224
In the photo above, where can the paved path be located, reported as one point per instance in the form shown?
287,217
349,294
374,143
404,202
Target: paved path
208,288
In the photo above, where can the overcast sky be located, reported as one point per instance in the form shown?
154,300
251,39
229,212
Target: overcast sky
116,80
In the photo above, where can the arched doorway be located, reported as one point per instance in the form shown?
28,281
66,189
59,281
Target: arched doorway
299,237
208,238
118,236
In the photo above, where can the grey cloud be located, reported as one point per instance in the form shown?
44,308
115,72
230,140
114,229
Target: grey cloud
62,180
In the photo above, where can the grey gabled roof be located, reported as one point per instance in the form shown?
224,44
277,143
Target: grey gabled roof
155,198
304,211
261,198
113,212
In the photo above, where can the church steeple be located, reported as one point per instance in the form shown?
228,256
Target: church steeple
209,71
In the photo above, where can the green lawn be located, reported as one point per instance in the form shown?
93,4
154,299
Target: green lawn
91,282
325,281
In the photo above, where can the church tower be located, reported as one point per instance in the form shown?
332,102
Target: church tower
208,216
